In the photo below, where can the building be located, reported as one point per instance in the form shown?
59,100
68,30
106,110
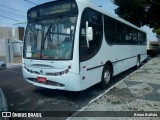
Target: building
17,47
11,43
19,33
2,48
5,33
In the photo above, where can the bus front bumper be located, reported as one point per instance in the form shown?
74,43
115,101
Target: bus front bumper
69,81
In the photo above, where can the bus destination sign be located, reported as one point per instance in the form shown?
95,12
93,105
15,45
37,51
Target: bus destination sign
53,9
59,8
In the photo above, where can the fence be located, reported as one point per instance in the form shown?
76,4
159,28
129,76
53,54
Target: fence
11,50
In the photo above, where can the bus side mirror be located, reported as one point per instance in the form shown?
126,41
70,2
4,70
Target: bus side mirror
89,34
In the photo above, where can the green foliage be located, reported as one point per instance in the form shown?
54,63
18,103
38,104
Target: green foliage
140,12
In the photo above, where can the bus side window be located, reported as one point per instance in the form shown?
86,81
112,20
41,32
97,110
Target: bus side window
134,36
94,20
120,33
110,30
82,37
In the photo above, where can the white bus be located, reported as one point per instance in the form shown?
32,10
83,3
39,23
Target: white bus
73,45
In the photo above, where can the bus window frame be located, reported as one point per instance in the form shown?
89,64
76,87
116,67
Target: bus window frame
101,39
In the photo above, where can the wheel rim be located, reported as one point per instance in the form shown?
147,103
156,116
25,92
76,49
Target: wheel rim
138,63
107,76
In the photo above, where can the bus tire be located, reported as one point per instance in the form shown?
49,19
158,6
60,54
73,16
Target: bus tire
106,77
138,63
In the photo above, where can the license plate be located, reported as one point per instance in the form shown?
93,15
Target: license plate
41,79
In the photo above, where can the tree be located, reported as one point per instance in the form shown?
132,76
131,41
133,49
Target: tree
140,12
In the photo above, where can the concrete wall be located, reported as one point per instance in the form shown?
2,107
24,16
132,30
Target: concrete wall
5,33
19,33
17,47
2,47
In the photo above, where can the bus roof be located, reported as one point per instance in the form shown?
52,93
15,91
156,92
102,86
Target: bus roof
87,3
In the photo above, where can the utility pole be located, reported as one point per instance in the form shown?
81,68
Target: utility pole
9,48
1,35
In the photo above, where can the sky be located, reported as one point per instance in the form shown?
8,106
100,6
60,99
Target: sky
13,11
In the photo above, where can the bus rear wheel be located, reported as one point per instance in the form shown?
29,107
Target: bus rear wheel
106,77
138,63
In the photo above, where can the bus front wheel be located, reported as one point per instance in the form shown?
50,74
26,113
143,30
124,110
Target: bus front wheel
106,77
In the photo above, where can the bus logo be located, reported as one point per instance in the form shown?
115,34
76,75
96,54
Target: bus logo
41,71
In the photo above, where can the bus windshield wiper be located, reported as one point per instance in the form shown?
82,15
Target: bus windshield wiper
57,19
52,24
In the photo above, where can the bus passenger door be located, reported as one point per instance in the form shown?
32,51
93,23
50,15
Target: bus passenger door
89,47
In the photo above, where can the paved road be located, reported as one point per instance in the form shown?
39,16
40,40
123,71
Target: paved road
22,96
137,97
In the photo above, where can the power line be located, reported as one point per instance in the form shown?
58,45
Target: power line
12,13
31,2
12,8
9,18
18,23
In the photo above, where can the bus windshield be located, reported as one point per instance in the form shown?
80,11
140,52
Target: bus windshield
52,39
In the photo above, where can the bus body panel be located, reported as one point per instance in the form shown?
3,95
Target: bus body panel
84,74
68,81
122,58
